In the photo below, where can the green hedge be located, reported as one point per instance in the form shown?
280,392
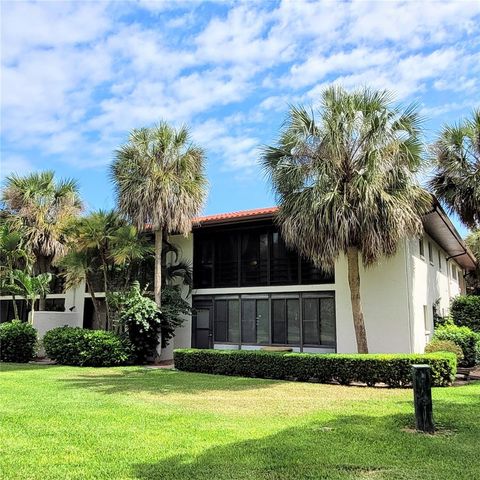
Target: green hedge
465,311
81,347
18,342
391,369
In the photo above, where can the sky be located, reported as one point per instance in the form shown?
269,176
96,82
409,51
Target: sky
76,77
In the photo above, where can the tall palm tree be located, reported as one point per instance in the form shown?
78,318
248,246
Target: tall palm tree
456,180
159,177
345,182
42,206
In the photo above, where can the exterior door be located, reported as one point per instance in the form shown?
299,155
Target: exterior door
202,325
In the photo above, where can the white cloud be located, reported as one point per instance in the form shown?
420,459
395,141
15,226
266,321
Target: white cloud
14,164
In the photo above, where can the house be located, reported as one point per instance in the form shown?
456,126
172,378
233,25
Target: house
251,291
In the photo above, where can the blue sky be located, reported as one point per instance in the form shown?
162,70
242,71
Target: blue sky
77,76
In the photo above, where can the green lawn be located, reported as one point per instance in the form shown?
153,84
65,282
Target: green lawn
121,423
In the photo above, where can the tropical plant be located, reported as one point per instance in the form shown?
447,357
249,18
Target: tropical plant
456,180
345,182
473,277
102,241
42,206
13,255
160,182
31,287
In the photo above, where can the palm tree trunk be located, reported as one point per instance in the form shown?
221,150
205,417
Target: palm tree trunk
158,267
15,307
96,305
32,311
42,268
354,284
105,290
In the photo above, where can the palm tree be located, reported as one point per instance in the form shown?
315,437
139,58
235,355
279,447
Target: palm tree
99,242
30,287
344,178
456,180
42,206
13,255
160,182
473,277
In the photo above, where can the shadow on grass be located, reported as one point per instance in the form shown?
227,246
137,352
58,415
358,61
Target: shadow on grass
348,447
161,381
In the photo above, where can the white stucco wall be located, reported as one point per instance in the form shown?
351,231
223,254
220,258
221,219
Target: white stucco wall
384,298
430,282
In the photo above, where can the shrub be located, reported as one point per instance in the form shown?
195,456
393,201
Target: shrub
465,338
465,311
76,346
445,346
391,369
141,320
18,342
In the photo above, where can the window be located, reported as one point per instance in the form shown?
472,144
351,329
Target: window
421,248
283,262
255,321
439,260
283,319
254,256
226,324
249,256
454,272
319,321
430,252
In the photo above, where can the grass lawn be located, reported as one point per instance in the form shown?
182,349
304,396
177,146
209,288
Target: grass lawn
123,423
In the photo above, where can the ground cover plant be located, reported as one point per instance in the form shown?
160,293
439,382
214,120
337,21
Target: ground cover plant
61,422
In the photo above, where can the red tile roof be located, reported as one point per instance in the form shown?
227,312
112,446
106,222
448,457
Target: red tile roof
241,215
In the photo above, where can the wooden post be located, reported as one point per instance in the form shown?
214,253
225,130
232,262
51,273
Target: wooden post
422,398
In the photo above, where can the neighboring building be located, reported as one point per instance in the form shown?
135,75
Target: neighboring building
250,290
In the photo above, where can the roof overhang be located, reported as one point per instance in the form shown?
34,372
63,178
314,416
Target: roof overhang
437,224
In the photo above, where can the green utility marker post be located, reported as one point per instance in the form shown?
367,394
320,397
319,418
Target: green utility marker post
422,398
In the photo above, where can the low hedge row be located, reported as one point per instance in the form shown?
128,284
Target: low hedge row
81,347
392,369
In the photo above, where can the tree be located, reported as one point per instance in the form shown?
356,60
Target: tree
13,255
473,277
102,241
345,182
30,287
42,206
456,179
160,183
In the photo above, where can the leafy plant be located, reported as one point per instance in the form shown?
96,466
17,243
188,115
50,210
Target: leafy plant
78,346
30,287
445,346
18,342
465,311
465,338
140,318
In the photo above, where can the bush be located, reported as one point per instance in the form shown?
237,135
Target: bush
18,342
465,338
140,318
445,346
76,346
391,369
465,311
